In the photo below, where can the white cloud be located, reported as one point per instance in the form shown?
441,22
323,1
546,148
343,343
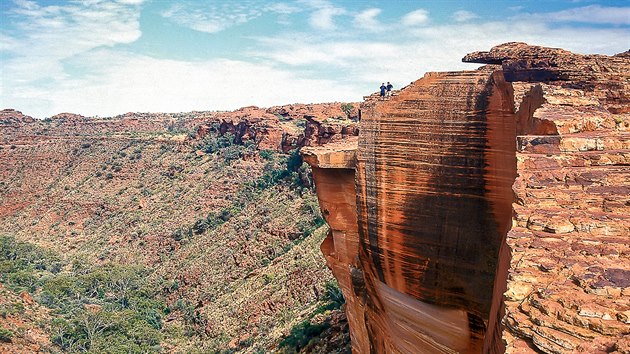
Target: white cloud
8,42
367,20
587,14
323,18
282,8
404,58
464,16
415,18
211,19
131,2
51,34
296,51
135,83
323,13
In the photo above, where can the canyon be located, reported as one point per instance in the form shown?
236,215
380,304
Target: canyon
486,211
208,217
479,211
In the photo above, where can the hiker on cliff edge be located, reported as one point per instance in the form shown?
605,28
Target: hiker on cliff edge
383,88
389,89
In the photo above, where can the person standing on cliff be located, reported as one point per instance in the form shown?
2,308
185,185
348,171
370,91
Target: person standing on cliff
383,88
389,89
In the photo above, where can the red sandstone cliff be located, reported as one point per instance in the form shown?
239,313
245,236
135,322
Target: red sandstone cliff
487,210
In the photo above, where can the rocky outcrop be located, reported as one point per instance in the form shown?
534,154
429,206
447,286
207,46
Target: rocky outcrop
333,170
281,128
568,282
67,117
491,208
13,117
285,128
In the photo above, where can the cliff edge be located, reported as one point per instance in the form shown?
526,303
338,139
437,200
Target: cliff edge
487,210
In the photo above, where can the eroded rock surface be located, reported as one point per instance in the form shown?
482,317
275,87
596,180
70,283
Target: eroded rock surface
287,127
491,208
568,282
333,171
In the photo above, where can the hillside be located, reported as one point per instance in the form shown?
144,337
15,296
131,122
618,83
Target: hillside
208,218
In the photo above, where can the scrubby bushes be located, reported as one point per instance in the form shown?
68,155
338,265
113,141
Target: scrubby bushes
100,309
195,322
306,331
302,334
347,109
5,335
226,145
19,261
280,169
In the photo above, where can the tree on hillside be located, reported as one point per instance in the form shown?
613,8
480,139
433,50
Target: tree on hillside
347,109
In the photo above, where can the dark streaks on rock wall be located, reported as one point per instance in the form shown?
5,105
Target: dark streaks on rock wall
430,229
492,208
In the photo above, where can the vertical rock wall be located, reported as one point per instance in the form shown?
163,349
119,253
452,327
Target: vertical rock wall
568,289
435,167
333,172
491,209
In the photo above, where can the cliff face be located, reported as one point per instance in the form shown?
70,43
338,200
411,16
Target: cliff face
569,281
491,208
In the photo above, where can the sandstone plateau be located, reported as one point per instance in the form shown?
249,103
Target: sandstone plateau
487,211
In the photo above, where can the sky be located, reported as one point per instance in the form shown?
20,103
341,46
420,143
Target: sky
108,57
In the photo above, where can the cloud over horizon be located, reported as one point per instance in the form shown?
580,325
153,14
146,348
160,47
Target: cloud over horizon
92,58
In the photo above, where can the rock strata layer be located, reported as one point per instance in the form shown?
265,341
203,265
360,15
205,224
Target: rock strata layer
491,210
286,127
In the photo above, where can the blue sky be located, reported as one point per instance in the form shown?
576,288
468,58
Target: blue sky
98,57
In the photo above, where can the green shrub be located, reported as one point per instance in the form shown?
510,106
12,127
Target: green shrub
214,142
23,279
200,226
334,294
128,316
9,309
267,154
194,320
302,334
231,153
5,335
347,109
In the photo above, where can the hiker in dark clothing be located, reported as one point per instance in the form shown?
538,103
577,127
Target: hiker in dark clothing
389,89
383,88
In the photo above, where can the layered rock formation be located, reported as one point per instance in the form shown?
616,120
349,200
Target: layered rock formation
333,170
280,128
569,278
286,127
491,208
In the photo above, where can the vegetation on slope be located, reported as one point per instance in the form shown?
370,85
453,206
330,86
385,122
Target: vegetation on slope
95,308
152,245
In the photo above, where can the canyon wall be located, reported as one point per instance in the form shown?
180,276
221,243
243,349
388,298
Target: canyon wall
491,209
